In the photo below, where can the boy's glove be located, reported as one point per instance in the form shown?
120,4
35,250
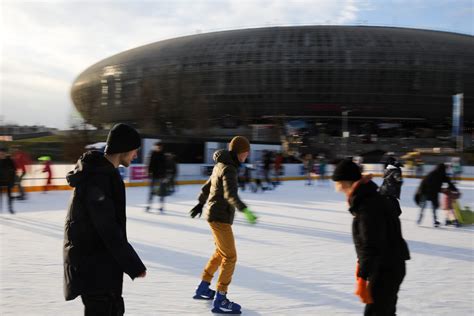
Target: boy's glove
196,210
362,288
250,216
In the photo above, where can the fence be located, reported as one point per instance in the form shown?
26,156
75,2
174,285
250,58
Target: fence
195,173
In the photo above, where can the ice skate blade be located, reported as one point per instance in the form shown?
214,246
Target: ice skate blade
217,310
203,298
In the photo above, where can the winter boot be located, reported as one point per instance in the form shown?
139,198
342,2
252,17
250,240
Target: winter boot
223,306
203,292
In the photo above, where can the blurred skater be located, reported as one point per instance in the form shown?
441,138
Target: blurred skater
7,178
428,190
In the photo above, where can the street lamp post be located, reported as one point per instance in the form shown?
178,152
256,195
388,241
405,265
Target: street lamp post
345,132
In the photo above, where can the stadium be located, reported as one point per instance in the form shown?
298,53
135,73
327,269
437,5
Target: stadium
277,82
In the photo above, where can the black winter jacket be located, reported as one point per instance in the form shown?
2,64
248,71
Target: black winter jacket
7,172
221,189
376,229
96,250
392,181
431,184
157,166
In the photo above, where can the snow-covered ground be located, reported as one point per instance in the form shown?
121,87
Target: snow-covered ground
298,260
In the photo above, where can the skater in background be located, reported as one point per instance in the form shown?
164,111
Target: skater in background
448,200
21,159
259,176
308,164
380,247
158,176
278,167
267,167
429,188
221,191
245,177
171,172
46,160
7,178
392,178
456,168
96,249
419,167
359,161
322,165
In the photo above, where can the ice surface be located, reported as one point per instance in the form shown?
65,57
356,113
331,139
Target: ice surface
298,260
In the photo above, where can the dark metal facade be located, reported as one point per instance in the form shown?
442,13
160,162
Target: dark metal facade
202,84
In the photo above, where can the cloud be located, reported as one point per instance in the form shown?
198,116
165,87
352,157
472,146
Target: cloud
46,44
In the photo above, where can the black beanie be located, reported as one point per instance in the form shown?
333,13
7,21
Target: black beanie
122,138
346,170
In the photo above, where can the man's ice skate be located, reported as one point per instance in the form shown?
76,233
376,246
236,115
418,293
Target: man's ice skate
203,292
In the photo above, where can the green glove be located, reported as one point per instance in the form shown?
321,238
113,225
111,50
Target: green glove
250,216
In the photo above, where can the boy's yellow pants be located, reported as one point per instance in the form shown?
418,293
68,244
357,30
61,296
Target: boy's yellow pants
224,257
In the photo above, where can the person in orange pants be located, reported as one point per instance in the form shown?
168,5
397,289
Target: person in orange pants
221,191
225,256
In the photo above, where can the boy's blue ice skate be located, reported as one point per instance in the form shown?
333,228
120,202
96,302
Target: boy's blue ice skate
203,292
223,306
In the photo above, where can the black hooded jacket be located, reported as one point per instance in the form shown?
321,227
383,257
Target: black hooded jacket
221,189
376,229
96,250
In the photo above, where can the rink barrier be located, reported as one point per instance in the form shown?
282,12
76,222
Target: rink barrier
191,182
135,175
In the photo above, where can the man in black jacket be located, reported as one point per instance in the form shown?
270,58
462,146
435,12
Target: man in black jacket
7,177
96,249
157,174
376,230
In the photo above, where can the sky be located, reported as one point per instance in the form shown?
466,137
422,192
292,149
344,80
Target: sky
46,44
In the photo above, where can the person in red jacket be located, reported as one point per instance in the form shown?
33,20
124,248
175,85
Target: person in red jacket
278,164
49,172
21,159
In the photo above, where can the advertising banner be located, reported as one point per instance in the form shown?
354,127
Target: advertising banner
138,173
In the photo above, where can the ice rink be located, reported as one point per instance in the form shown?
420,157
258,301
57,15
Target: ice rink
298,260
